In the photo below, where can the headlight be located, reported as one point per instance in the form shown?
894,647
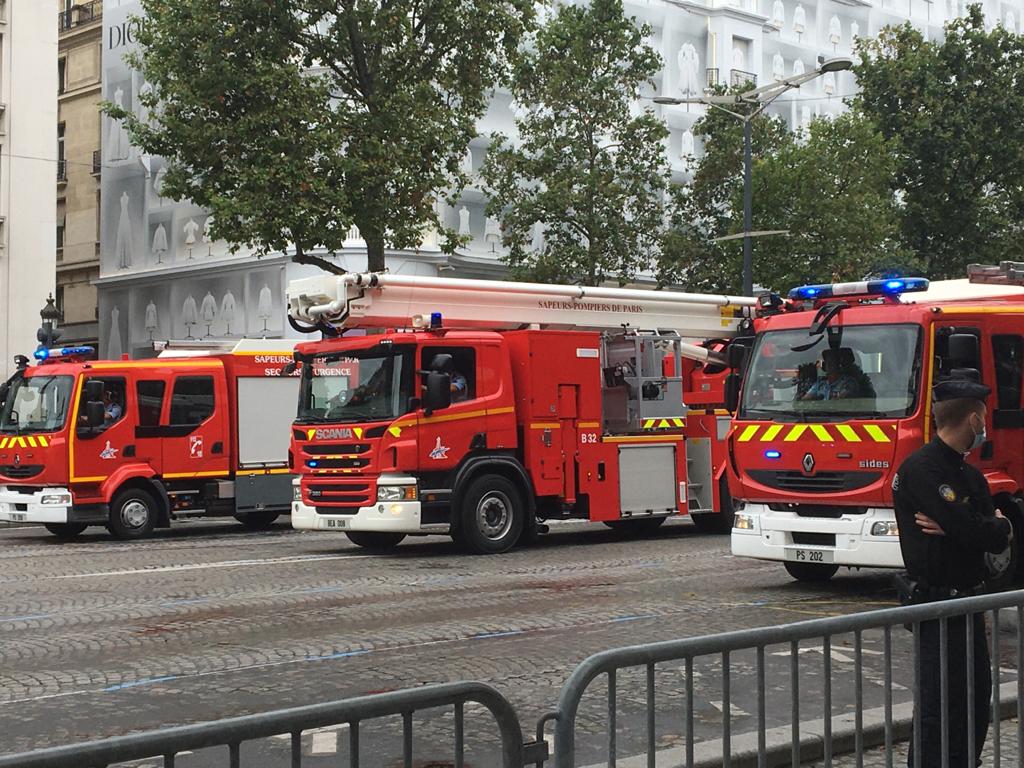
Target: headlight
743,522
296,492
885,528
396,493
55,499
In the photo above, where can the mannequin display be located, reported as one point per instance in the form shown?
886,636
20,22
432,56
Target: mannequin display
265,305
799,20
686,148
828,83
854,31
123,243
464,221
159,243
114,349
189,315
779,14
208,310
207,236
190,235
537,243
835,31
118,145
227,310
467,161
492,232
151,319
689,70
798,68
158,183
778,67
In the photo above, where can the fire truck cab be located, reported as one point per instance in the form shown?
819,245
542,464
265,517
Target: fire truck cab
837,393
491,407
133,445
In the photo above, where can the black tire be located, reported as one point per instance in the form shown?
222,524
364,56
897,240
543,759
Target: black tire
812,573
1004,568
133,514
641,526
258,521
66,530
375,542
719,522
490,516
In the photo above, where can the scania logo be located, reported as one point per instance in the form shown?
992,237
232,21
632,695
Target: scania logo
808,463
332,434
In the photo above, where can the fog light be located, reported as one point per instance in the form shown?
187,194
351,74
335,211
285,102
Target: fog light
885,528
55,499
743,522
296,492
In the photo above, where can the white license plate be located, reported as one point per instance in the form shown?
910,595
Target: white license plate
810,555
17,517
337,523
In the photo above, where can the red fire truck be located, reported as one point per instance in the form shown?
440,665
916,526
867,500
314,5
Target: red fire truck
837,393
134,445
491,407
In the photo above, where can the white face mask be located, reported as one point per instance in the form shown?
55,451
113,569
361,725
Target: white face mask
979,438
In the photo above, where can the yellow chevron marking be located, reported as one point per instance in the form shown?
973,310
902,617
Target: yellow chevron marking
358,432
395,431
821,433
795,433
19,442
32,442
771,433
3,443
310,433
749,432
875,433
648,423
848,433
679,422
43,442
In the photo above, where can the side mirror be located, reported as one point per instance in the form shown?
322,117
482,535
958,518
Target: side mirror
964,350
94,390
441,361
732,392
737,356
438,395
94,414
289,368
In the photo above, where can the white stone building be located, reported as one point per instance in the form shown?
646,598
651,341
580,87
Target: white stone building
28,171
156,267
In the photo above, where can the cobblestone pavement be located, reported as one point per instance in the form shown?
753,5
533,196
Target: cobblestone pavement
99,637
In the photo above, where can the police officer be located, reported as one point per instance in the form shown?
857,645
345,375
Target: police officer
947,523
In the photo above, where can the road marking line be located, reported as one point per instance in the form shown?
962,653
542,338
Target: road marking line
143,681
734,711
25,618
208,566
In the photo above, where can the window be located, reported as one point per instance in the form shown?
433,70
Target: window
150,395
62,73
192,401
1008,354
114,399
60,240
462,369
62,165
59,300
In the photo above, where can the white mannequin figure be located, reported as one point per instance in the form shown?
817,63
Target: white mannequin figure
190,235
207,236
799,20
159,243
209,311
779,14
189,314
123,244
158,183
686,150
114,340
828,83
151,319
778,67
464,221
798,67
835,30
537,242
117,139
141,110
265,305
467,161
689,70
854,31
227,310
492,230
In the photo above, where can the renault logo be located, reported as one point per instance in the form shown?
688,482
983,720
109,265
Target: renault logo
17,459
808,463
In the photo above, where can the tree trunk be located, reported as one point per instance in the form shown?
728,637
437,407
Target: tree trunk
374,253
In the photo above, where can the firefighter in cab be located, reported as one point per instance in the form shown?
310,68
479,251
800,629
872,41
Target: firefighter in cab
947,523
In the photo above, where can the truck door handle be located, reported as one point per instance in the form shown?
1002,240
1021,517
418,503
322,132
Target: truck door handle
129,451
218,447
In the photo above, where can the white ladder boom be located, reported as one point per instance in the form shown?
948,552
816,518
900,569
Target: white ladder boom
376,300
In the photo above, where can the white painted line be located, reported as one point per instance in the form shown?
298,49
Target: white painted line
734,710
209,566
324,743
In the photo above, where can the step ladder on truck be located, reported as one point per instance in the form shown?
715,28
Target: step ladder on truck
491,407
837,394
199,431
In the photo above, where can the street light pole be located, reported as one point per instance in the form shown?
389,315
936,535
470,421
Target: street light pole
759,99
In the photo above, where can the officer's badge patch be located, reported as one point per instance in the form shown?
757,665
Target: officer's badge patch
947,493
896,482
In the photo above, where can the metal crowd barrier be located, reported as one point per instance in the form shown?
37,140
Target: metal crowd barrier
613,666
609,664
232,733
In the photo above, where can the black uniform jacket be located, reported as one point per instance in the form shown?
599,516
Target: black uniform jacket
937,481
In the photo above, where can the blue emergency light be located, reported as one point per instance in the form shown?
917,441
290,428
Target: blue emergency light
43,354
435,320
890,287
772,454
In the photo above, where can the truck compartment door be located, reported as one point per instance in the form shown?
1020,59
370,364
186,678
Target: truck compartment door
568,395
647,479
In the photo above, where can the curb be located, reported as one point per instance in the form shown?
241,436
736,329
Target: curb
779,744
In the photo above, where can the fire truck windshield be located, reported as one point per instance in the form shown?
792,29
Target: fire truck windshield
368,385
872,372
36,404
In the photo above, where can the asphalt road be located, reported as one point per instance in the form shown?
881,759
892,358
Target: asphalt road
99,637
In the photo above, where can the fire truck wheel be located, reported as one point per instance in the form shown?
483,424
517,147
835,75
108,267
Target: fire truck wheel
811,572
132,514
257,521
375,542
491,516
66,530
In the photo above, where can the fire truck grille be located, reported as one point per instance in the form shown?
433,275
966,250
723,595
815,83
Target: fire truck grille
818,510
319,449
822,482
20,471
335,499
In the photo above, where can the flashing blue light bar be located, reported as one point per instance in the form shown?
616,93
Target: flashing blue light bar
76,351
773,454
890,287
41,354
56,354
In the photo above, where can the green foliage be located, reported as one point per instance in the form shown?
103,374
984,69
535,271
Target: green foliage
587,169
952,110
828,188
291,120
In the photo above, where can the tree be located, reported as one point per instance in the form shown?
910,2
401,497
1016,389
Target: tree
829,189
952,109
585,168
292,120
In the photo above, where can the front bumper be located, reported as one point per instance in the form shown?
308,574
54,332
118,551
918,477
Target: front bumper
384,516
772,537
28,507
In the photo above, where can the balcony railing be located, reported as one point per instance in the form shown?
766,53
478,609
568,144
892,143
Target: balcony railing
738,78
77,15
711,75
97,164
62,170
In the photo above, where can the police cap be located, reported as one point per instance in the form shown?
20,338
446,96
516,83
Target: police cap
959,388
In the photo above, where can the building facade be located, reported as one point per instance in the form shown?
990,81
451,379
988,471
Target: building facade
79,168
28,163
161,276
